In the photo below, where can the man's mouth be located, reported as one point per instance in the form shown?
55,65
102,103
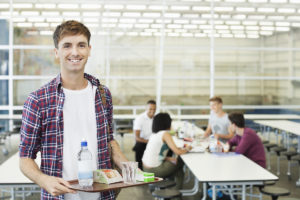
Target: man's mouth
75,60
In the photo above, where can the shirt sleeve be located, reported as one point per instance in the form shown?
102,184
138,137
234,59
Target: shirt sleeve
233,141
109,112
244,144
30,139
137,125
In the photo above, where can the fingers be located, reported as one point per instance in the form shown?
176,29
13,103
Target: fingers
57,186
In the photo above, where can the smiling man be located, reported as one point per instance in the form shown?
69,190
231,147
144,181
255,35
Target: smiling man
60,114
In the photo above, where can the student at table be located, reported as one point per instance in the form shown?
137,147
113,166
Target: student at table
218,123
143,129
246,141
155,159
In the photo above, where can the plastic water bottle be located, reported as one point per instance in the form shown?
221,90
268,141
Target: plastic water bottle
85,167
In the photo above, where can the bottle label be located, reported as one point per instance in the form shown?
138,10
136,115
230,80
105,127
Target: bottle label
85,170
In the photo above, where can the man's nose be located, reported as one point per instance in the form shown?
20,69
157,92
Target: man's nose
74,51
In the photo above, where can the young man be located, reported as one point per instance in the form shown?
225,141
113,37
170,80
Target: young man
143,129
246,141
218,123
60,114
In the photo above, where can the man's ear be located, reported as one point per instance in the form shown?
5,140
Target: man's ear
90,48
56,53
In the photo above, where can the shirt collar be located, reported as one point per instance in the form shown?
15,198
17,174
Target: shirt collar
94,81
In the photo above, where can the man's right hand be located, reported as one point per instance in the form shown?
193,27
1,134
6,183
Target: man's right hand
55,185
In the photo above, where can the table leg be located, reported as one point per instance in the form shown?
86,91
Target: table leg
193,191
244,192
214,192
204,192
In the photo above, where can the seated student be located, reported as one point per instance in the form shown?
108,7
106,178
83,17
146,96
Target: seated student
155,159
246,141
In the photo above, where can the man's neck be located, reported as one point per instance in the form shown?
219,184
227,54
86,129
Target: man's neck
73,81
220,113
240,131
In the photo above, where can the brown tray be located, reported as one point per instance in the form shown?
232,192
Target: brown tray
101,187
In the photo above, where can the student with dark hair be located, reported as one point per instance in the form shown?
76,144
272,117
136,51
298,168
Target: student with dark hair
155,159
143,129
246,141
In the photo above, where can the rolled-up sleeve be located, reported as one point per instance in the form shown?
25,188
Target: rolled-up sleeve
30,142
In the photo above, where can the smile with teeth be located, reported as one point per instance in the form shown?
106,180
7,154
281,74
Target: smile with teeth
75,60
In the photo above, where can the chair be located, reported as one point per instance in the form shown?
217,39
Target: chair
268,147
274,192
297,158
289,155
278,150
166,194
161,185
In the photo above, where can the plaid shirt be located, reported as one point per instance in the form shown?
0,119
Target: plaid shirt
43,128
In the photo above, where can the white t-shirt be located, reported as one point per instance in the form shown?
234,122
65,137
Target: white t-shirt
144,124
219,124
79,122
155,151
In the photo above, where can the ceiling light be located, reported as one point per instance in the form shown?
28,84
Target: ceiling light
50,13
286,10
201,8
90,6
157,7
245,9
181,21
173,34
46,32
54,24
165,21
45,5
180,8
267,28
205,26
238,32
266,32
141,25
113,6
136,7
111,14
158,34
145,34
225,16
278,1
198,21
132,34
92,25
296,24
22,5
187,34
294,1
54,19
294,18
25,25
190,16
4,5
180,30
119,33
108,25
257,17
94,20
131,14
30,13
157,26
151,14
258,1
71,14
91,14
237,27
224,31
19,19
223,9
127,20
125,25
146,20
109,20
35,19
266,10
251,23
41,24
239,17
227,35
266,23
276,17
190,26
232,22
32,32
282,29
235,1
7,13
253,28
221,27
172,15
151,30
174,26
68,6
72,18
209,16
200,35
253,36
282,23
239,35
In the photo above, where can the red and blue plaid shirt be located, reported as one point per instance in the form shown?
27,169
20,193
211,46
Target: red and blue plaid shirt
43,128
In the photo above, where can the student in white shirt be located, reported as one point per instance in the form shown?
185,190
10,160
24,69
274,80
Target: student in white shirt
143,130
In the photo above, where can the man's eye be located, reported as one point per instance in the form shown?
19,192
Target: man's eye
66,46
82,45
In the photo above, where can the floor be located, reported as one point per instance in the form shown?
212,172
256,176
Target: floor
142,192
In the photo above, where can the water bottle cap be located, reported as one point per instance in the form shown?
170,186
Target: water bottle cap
84,143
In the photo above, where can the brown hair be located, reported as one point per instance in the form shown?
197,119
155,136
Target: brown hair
70,27
237,119
216,99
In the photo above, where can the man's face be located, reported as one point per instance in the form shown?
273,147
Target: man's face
73,52
151,108
215,106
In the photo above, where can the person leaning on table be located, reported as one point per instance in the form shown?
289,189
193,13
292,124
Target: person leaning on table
58,115
218,123
246,141
155,159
